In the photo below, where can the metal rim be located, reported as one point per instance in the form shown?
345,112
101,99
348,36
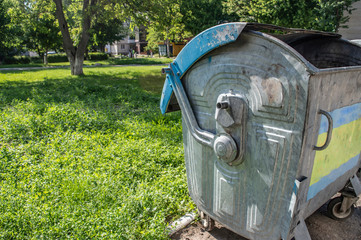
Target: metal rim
334,209
337,213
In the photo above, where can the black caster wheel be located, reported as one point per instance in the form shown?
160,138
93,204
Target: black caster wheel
334,209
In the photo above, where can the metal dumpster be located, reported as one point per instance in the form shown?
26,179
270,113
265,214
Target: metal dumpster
271,125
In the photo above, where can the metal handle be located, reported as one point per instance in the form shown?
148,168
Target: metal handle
223,144
329,131
202,136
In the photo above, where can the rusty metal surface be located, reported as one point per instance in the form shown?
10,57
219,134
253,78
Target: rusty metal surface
284,30
253,198
264,93
330,89
329,52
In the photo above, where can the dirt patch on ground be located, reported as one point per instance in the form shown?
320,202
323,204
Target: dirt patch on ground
320,226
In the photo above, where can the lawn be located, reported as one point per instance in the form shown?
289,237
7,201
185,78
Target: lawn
88,157
110,61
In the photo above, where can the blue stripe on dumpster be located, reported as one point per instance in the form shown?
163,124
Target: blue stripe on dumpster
341,116
328,179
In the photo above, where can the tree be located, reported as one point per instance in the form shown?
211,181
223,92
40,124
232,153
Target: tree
34,26
153,39
75,54
165,23
199,15
10,43
5,33
317,14
107,31
329,15
77,20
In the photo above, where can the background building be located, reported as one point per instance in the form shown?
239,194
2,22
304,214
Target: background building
354,25
135,40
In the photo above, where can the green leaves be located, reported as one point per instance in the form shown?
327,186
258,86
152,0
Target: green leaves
199,15
166,23
6,36
33,26
316,14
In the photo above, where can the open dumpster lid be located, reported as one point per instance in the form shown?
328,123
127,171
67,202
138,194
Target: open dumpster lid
224,34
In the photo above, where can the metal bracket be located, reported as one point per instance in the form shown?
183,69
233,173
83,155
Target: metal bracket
231,114
223,144
356,184
347,202
202,136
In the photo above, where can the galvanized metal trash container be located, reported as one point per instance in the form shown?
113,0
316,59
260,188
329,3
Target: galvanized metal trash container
271,125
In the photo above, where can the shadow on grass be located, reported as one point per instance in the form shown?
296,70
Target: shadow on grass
104,102
68,89
21,65
92,63
142,61
128,90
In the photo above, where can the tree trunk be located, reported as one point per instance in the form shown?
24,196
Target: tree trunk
167,42
76,66
75,54
46,57
102,48
45,60
168,48
87,54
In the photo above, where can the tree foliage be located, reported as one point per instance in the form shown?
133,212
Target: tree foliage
81,21
4,30
38,28
312,14
329,15
166,24
198,15
32,23
106,32
177,20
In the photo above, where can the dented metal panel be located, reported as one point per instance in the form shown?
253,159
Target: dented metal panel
253,198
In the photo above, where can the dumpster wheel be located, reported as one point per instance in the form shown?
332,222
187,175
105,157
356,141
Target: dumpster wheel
334,209
207,222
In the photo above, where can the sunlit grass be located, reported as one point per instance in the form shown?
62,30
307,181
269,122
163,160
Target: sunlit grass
88,157
110,61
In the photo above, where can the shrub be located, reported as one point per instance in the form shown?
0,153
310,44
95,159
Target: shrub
59,57
98,56
16,60
36,60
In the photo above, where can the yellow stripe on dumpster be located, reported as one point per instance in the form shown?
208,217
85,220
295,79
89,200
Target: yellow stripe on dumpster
345,144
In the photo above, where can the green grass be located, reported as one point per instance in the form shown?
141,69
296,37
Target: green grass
110,61
88,157
21,65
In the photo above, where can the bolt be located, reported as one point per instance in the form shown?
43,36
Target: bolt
222,105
